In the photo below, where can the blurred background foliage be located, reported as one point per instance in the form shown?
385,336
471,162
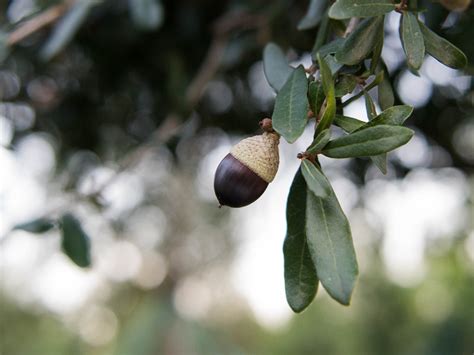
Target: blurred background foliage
119,111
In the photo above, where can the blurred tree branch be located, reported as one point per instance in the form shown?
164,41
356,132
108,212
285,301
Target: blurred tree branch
39,21
222,29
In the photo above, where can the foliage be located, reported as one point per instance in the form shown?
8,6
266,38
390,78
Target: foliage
327,231
138,61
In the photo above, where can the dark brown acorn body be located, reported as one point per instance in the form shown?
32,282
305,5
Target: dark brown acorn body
236,185
244,174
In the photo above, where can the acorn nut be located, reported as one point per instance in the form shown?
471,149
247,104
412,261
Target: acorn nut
244,174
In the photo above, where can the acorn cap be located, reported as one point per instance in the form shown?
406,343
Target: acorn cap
244,174
259,154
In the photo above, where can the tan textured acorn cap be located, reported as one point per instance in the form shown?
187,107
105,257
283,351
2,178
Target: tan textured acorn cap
259,154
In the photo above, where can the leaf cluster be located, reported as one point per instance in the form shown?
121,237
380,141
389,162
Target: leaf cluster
318,245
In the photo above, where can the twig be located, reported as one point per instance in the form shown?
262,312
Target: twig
36,23
222,29
351,26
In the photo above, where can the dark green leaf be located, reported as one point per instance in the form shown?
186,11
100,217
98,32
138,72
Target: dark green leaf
377,53
146,14
301,281
4,48
384,89
345,85
380,161
75,242
320,141
291,106
361,42
326,76
377,80
329,48
330,243
315,96
367,142
369,106
333,64
329,91
348,124
66,28
315,179
275,66
443,50
394,116
40,225
313,15
412,40
343,9
321,36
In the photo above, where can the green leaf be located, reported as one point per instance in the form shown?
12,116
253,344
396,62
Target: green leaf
329,48
380,161
443,50
348,124
333,64
377,53
369,106
345,85
75,242
367,142
394,116
315,96
66,28
315,179
275,66
313,15
330,243
384,89
361,42
412,40
4,47
301,280
291,106
329,91
343,9
321,36
147,15
40,225
319,142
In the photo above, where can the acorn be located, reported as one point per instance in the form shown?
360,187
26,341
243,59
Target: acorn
244,174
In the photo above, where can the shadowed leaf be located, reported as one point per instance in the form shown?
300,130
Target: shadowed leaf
301,281
361,42
75,242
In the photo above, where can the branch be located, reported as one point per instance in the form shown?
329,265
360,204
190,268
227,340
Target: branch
351,26
222,29
36,23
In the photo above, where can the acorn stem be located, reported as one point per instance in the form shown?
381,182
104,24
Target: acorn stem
266,125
